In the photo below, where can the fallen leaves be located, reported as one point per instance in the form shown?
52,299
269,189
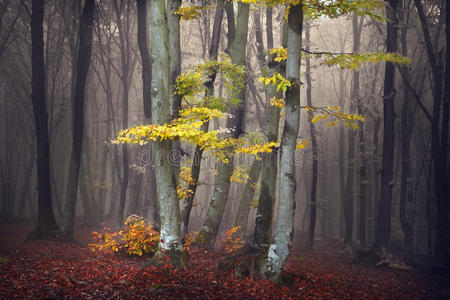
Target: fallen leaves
52,269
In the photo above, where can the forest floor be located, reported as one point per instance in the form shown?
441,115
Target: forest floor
51,269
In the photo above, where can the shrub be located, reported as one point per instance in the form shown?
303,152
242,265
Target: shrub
232,241
136,238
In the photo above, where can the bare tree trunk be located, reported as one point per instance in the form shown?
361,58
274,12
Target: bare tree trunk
145,56
247,197
198,152
406,129
315,150
358,23
46,224
216,207
383,231
83,62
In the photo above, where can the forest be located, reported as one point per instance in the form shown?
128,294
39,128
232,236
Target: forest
244,149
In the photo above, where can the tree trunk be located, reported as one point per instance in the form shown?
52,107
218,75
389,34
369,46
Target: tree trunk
269,161
279,250
383,231
46,224
83,62
247,197
198,152
123,13
170,237
145,56
173,20
358,23
405,133
315,150
216,207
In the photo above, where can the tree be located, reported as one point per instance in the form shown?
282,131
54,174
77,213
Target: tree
46,224
170,237
145,56
269,161
237,40
83,62
198,152
315,150
280,247
383,230
439,134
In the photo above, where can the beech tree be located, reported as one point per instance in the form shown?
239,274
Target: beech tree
189,124
170,236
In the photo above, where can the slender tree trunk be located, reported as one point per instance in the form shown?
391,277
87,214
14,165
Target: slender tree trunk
216,207
247,197
26,187
358,23
170,237
83,62
173,20
406,129
269,168
279,250
198,152
383,231
145,56
315,150
123,13
46,224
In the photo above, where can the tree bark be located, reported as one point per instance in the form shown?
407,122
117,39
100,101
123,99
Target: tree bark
145,56
358,23
269,161
207,235
247,197
198,152
46,224
170,236
315,150
83,62
383,231
405,133
279,249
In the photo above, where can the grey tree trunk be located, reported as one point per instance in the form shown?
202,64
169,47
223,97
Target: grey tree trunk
208,233
198,152
315,150
383,230
46,224
279,250
357,24
269,161
175,70
170,237
83,62
247,197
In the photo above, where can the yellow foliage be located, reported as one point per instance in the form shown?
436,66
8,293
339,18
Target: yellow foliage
136,239
302,144
280,103
240,175
280,53
231,241
338,117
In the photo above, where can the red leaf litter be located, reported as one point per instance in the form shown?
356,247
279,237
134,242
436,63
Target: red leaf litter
51,269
